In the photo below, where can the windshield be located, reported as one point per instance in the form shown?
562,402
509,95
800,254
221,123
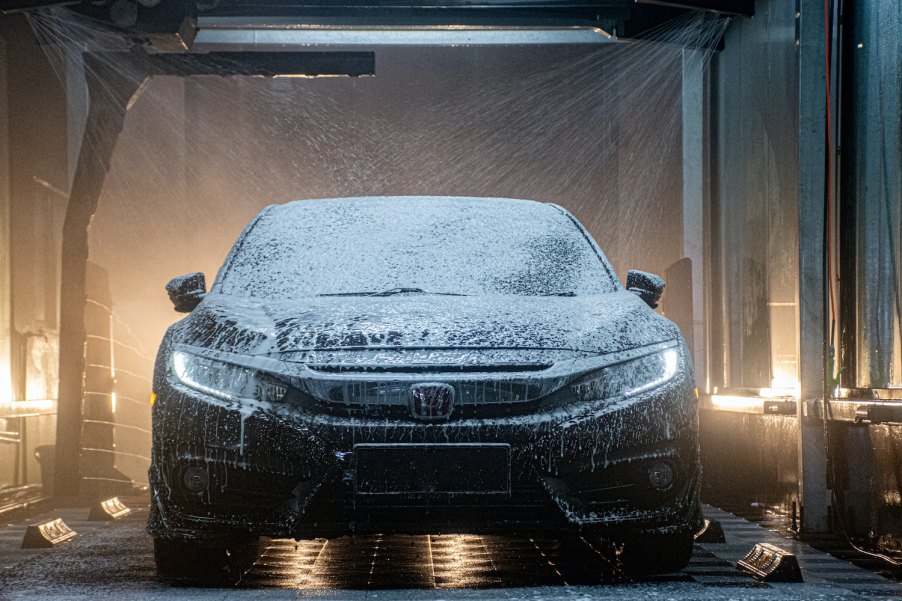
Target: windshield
416,245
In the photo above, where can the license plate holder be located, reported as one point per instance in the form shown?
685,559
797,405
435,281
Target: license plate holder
431,469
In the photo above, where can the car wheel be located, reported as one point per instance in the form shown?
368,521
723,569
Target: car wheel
656,553
203,559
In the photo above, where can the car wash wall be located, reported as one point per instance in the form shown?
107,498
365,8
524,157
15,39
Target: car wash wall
801,416
749,155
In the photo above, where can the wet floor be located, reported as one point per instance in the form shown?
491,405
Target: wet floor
450,562
115,559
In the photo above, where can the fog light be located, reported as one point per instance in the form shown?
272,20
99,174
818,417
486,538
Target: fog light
660,475
196,479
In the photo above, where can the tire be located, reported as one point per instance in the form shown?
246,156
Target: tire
200,559
656,553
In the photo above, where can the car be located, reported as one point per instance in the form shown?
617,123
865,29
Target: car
421,365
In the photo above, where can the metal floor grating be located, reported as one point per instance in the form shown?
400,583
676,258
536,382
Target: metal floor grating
458,562
115,559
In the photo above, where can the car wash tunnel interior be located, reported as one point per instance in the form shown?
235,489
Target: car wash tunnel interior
749,152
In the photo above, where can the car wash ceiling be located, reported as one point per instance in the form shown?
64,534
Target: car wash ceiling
173,25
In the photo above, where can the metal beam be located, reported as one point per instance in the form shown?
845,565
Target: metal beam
109,93
12,6
227,33
242,64
812,257
745,8
167,18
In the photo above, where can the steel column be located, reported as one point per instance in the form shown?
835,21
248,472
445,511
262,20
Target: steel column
76,108
812,284
108,96
5,291
694,169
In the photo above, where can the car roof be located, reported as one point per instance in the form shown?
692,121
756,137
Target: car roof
378,201
387,235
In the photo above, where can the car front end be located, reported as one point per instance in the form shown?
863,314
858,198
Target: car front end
422,365
424,440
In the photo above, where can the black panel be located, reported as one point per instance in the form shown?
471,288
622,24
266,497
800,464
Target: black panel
11,6
261,64
729,7
432,468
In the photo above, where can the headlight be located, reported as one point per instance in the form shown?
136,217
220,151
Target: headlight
225,380
628,378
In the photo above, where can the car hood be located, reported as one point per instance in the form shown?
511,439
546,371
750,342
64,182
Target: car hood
598,324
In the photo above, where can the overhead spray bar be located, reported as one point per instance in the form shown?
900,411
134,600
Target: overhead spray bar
227,33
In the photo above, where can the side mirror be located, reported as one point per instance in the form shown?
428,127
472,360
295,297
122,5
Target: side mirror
648,286
186,291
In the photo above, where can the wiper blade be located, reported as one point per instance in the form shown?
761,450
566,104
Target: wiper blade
391,292
394,291
571,293
345,294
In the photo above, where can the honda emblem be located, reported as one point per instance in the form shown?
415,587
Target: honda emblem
431,401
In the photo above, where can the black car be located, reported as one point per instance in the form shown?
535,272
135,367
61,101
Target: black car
422,365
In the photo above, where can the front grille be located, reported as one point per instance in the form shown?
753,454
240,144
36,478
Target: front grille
396,412
391,398
377,384
399,409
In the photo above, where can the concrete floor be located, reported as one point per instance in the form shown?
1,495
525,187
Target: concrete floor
113,559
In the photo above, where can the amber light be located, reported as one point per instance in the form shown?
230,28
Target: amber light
153,399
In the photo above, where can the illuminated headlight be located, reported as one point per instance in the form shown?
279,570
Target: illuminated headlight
225,380
629,378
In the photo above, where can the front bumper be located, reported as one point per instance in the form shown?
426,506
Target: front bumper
289,473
